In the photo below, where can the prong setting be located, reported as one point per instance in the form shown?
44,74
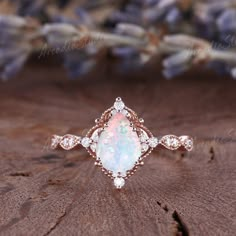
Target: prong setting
119,105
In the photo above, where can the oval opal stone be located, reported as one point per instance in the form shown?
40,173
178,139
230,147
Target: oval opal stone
118,146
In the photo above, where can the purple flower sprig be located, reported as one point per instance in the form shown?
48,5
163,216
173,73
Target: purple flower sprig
79,45
15,45
215,19
186,51
39,8
18,37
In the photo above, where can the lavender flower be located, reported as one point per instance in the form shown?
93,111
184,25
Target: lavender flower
73,42
233,72
84,18
37,8
186,51
14,45
11,29
12,63
227,21
159,11
130,30
57,34
214,18
177,63
78,64
135,37
131,57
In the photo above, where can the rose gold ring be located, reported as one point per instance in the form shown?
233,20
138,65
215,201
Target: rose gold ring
119,142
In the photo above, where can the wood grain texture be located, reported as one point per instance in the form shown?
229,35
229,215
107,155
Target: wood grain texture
62,193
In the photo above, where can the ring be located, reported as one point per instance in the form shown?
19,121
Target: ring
120,142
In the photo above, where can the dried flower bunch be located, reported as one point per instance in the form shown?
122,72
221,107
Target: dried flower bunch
180,33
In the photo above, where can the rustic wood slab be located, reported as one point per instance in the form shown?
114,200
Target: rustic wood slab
43,192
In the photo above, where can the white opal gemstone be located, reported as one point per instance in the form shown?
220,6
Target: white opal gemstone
118,146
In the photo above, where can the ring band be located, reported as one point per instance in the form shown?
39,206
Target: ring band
120,142
171,142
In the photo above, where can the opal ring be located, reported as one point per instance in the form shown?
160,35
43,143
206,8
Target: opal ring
119,142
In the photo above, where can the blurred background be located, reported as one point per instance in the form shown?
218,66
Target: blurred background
121,37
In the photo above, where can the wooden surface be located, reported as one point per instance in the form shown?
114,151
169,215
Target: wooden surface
62,193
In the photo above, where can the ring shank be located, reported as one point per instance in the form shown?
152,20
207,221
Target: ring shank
170,142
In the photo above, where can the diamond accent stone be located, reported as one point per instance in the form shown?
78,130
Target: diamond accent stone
69,141
119,105
55,141
189,144
153,142
186,142
171,141
118,146
86,142
119,182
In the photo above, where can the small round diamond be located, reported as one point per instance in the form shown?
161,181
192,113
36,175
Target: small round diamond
171,141
189,144
86,142
119,182
119,105
66,142
55,141
174,142
141,120
69,141
153,142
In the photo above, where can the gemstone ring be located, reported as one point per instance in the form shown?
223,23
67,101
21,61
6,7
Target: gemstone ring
119,142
